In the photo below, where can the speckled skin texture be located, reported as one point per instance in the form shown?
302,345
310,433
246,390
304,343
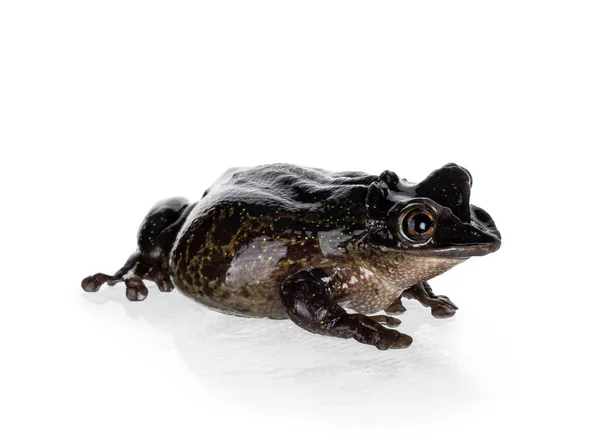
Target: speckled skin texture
285,241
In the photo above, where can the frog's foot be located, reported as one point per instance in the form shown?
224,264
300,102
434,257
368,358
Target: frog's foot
441,306
136,269
365,329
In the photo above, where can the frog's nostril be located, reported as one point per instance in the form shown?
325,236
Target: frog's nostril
481,215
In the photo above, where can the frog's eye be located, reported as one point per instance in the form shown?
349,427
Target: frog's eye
417,224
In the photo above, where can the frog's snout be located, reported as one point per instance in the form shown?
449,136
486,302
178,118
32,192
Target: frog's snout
485,224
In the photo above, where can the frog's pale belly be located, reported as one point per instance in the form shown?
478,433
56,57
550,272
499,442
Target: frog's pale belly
369,288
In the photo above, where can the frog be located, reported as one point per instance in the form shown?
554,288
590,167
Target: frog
334,252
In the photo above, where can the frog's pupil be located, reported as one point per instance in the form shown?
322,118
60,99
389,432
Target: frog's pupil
420,223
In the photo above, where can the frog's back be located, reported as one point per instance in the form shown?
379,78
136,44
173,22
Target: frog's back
256,226
286,186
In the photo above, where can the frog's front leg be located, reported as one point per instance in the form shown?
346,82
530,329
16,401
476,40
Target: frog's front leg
151,261
307,299
441,306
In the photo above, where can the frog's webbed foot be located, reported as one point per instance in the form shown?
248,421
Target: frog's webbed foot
441,306
135,270
150,261
308,301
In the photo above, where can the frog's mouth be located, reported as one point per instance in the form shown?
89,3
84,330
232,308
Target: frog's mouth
464,251
478,237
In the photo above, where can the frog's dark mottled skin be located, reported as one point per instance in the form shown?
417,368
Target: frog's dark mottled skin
285,241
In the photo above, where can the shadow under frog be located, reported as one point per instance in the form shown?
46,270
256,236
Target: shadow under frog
326,250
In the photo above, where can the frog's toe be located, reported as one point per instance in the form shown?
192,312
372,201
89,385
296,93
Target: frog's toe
162,280
386,320
136,289
446,301
396,307
443,311
393,340
442,307
93,282
165,285
403,341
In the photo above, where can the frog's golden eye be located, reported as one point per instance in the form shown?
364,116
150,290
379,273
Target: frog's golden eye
417,224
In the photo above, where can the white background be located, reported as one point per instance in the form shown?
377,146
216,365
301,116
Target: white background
107,107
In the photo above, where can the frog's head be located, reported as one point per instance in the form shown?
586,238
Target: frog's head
430,218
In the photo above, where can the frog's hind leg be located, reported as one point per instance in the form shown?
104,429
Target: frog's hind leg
151,261
441,306
308,302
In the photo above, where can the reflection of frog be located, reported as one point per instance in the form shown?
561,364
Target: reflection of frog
285,241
